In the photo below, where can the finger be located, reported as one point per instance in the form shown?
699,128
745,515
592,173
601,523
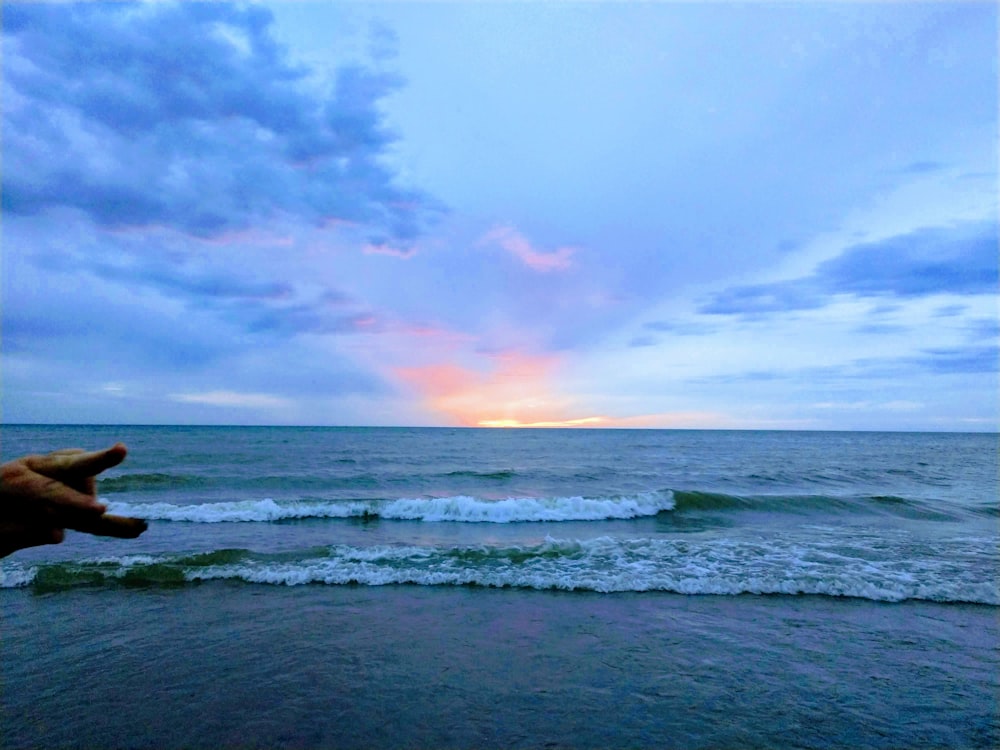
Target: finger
67,516
73,463
93,463
30,495
53,465
65,499
86,485
121,527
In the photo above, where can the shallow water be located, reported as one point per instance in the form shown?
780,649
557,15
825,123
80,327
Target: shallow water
223,664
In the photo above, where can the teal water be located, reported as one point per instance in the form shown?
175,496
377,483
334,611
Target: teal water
518,588
880,516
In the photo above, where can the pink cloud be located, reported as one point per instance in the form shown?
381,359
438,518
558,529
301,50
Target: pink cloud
381,249
365,323
518,245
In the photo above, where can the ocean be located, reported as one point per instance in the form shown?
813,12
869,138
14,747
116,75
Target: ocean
465,588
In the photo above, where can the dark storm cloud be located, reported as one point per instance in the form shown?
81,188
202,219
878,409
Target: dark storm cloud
941,260
192,117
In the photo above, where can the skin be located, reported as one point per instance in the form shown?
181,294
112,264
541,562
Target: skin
41,496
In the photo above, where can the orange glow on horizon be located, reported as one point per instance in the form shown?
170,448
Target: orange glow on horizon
513,391
516,392
582,422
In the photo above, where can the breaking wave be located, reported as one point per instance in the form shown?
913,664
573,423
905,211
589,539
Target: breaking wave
459,508
469,509
604,564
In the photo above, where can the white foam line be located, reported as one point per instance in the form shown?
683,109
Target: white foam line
462,509
760,565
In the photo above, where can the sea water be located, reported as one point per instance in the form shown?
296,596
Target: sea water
620,587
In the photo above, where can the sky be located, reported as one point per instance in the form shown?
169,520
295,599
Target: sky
739,215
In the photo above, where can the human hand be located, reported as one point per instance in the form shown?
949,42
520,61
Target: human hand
40,496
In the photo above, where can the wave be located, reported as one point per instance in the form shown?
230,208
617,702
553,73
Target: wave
458,508
693,501
468,509
606,565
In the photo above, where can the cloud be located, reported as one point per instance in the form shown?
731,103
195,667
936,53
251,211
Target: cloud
392,252
974,359
248,305
868,405
310,318
163,329
54,318
638,342
383,42
983,329
191,116
881,329
518,245
959,359
941,260
971,359
232,398
242,298
684,328
923,167
757,299
949,311
203,286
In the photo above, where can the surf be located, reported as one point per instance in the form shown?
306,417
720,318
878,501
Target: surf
454,509
606,565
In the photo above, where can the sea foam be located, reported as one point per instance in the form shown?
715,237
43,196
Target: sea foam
604,564
461,509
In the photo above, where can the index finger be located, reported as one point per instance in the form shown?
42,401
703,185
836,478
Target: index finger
77,464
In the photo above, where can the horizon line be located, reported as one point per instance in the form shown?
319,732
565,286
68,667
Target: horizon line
569,428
